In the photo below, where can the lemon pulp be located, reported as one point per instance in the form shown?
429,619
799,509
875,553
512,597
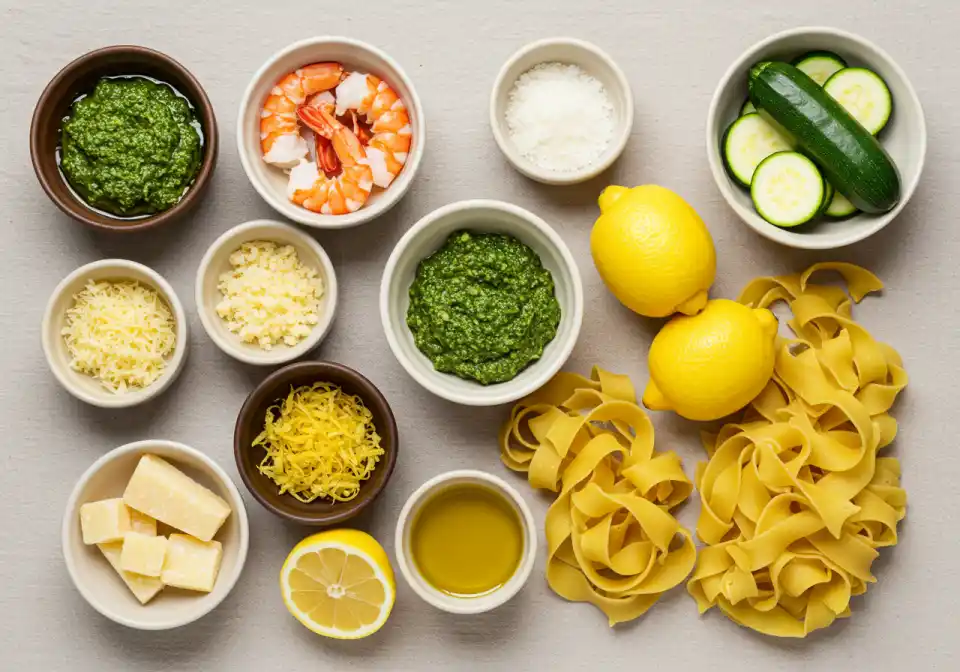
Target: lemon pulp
337,590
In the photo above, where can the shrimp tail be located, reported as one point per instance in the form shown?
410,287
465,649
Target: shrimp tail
314,119
327,157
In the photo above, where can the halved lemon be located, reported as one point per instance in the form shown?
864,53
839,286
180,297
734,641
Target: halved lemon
339,584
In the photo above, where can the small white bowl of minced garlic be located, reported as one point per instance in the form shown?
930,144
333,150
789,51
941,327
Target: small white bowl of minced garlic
114,333
266,293
561,111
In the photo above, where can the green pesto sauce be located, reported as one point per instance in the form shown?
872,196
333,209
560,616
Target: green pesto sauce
483,307
132,147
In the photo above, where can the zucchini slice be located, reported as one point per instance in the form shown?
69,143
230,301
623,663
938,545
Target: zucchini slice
747,107
851,159
748,141
787,189
820,65
840,207
864,95
827,197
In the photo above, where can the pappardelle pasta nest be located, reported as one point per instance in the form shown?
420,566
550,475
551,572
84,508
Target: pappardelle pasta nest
795,500
611,538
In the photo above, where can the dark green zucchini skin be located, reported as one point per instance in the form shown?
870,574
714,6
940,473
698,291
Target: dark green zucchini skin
851,158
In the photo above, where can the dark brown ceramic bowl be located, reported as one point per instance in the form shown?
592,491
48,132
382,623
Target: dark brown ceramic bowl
250,423
80,76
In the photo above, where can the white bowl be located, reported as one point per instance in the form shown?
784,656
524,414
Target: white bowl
425,237
271,182
408,567
593,61
87,388
904,138
96,579
216,261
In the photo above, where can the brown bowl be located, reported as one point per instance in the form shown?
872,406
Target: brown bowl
250,423
80,76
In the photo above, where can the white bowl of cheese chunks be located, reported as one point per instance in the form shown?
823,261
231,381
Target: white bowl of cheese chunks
155,535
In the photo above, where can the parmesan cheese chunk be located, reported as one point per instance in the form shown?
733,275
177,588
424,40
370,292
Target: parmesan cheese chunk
162,491
143,554
269,297
192,564
144,588
142,523
120,333
104,521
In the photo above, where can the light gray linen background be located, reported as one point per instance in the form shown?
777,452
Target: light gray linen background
673,54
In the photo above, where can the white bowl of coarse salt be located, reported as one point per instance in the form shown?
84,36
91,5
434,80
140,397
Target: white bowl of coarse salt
561,110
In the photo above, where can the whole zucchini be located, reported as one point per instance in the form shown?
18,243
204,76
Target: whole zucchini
850,157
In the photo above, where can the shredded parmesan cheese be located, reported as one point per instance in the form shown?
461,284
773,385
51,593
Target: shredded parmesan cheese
120,333
320,443
559,117
269,297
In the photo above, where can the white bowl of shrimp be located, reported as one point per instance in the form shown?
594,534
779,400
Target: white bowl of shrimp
330,132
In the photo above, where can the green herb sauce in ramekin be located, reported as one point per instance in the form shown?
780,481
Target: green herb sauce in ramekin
483,307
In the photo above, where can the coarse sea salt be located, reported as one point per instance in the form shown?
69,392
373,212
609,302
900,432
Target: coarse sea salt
559,117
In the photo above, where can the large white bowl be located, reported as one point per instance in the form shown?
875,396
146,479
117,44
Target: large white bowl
592,60
216,261
904,138
271,182
408,566
99,583
87,388
425,237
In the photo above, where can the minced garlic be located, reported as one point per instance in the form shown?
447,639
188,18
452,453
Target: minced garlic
269,297
120,333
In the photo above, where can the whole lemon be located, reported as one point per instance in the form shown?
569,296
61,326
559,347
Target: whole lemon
653,251
709,365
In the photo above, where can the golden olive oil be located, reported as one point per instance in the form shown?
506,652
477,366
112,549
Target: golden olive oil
467,540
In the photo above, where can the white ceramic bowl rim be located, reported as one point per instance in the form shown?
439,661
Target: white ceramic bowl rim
280,354
64,375
73,506
471,605
618,142
510,392
783,236
390,196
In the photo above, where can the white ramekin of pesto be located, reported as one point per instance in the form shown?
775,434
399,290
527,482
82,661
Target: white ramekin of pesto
483,307
481,302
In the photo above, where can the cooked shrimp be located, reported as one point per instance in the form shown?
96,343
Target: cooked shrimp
311,188
389,122
280,139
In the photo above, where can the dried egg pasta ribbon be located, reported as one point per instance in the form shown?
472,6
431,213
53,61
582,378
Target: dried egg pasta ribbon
611,539
795,500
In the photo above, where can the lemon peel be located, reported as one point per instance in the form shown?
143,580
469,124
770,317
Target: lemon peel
652,250
712,364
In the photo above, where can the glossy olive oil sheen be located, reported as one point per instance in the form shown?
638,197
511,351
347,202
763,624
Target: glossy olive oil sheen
467,540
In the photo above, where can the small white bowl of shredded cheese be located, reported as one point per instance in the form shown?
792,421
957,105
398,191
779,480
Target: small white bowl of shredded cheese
266,292
114,333
561,110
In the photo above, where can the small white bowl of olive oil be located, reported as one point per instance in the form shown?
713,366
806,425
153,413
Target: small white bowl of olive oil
466,542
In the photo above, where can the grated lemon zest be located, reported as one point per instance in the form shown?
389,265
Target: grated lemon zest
320,443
